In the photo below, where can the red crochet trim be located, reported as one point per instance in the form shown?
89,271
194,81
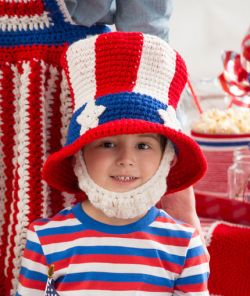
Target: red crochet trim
20,9
48,53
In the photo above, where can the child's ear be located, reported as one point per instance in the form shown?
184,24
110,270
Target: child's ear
174,161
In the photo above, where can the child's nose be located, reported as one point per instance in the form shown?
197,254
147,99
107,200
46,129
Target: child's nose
126,157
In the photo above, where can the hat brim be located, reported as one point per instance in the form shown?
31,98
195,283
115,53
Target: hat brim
190,167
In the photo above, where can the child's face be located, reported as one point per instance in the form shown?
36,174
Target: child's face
122,163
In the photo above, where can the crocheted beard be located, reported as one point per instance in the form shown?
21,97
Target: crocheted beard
129,204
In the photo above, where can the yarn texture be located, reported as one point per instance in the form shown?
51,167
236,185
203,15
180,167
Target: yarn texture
35,107
124,83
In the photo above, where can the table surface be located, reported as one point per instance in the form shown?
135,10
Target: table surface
225,209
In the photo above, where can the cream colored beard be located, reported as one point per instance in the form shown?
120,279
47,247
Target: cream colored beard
131,204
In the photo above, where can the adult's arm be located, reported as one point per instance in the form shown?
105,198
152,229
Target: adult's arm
90,12
147,16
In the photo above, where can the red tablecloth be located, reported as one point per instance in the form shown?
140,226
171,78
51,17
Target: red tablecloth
223,209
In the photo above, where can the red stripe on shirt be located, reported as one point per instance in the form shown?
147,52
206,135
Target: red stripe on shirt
67,237
118,259
112,286
32,284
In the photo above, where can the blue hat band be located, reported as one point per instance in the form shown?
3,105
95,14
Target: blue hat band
120,106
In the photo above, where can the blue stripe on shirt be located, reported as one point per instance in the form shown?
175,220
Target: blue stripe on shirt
120,251
149,230
33,275
194,279
35,247
117,277
169,232
194,252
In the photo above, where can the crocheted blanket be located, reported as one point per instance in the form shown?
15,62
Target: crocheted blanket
229,248
34,112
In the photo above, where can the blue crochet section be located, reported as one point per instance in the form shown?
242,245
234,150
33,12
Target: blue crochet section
58,33
235,144
120,106
74,127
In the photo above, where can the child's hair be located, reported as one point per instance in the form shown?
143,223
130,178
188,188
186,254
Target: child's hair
163,142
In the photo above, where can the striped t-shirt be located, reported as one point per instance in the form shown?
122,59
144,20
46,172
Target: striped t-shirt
154,256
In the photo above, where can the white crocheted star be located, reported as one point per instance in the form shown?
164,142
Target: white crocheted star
169,118
89,118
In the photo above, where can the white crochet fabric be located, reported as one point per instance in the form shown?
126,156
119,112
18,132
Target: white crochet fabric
126,205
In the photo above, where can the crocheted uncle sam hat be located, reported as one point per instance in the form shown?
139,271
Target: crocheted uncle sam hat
124,83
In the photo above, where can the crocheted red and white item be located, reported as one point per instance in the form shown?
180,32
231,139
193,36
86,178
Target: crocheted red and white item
235,78
34,113
124,83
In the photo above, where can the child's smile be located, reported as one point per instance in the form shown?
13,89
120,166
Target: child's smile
125,180
121,163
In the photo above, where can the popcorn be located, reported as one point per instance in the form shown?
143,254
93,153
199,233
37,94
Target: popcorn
230,121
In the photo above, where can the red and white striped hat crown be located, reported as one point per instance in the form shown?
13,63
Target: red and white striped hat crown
124,83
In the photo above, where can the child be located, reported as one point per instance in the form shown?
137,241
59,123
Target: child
150,17
124,150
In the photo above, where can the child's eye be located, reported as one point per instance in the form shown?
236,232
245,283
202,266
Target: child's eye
143,146
108,145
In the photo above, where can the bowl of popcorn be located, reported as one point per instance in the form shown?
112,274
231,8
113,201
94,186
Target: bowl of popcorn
219,133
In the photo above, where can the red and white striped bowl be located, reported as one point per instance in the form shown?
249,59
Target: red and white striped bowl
218,150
